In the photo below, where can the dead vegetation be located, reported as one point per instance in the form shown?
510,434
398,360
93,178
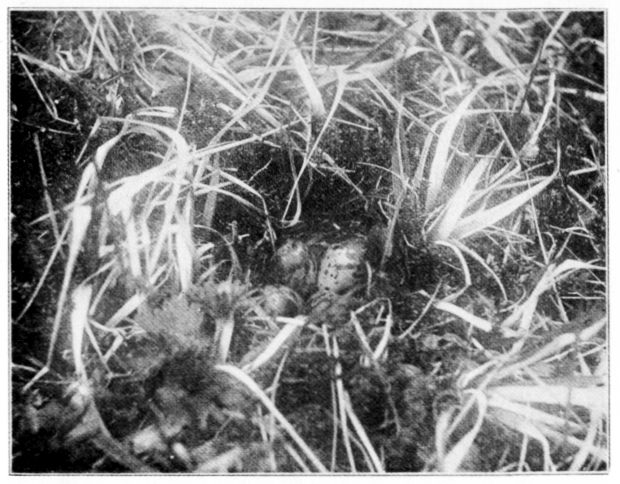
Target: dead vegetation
284,241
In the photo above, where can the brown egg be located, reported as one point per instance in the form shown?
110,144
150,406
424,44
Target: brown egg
296,266
292,255
280,301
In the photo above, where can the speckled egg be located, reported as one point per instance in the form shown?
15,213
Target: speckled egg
292,255
342,266
295,266
279,301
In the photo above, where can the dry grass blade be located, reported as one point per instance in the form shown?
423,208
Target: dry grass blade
49,104
208,211
588,446
79,322
458,250
202,59
243,378
583,392
458,205
497,43
299,64
399,172
482,219
282,340
554,347
342,82
46,270
48,199
99,38
440,162
126,310
60,73
552,275
450,461
184,248
359,429
339,400
527,411
527,428
466,316
472,253
80,219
